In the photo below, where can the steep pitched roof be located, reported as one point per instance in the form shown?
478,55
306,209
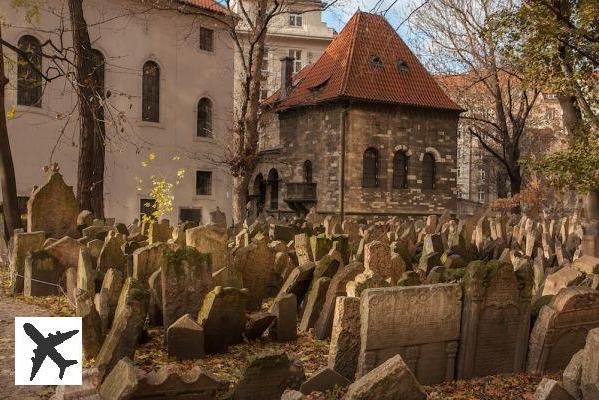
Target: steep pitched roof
366,61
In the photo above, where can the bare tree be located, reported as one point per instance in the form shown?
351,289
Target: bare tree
464,38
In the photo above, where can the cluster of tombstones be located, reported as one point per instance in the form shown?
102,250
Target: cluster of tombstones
402,301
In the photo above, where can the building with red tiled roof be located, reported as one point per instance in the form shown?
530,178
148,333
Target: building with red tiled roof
364,130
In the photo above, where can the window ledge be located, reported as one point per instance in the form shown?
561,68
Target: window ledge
149,124
204,139
207,52
203,197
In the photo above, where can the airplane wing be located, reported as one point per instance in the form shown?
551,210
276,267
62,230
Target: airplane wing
37,361
55,340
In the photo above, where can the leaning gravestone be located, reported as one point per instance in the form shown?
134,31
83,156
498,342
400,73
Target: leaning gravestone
146,261
256,264
345,337
23,243
222,317
52,207
185,280
210,239
495,319
561,329
421,323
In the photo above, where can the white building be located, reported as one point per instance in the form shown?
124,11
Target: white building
181,65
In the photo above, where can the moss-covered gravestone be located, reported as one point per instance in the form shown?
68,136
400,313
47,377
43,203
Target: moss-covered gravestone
185,280
495,319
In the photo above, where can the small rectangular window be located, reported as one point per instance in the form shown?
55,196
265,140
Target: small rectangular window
206,39
481,195
203,183
296,19
264,68
190,215
297,60
146,207
263,94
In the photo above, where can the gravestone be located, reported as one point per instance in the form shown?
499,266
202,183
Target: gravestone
218,218
146,261
561,329
91,325
66,251
173,382
377,258
159,231
111,255
495,319
108,298
23,243
210,239
185,339
344,347
256,264
52,207
421,323
42,275
185,281
86,273
284,328
222,317
314,302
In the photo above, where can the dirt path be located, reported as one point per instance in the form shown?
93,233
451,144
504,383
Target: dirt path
9,309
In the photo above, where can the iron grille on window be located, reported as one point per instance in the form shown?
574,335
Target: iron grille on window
29,80
151,92
400,170
428,171
370,168
206,39
204,128
190,215
203,183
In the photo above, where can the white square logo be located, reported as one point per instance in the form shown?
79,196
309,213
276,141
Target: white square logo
48,351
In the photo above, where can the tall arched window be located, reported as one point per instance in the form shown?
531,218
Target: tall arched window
370,168
273,182
308,171
400,170
204,128
150,101
428,171
29,79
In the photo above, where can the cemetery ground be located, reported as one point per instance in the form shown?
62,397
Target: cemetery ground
312,353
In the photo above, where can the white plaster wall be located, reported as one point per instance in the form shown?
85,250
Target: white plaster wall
128,37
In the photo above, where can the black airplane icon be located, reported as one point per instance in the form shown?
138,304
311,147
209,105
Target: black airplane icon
46,348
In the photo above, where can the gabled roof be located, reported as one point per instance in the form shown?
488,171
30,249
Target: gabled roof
209,5
366,61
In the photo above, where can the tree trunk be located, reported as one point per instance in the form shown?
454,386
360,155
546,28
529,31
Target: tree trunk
515,181
240,191
90,169
10,207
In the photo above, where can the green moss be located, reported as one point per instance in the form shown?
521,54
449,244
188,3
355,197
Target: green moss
187,254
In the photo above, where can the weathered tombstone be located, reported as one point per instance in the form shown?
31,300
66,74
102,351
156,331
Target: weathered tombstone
257,324
561,329
320,245
298,281
344,348
366,280
155,304
218,218
108,298
389,381
495,319
85,272
111,255
159,231
590,360
550,389
326,379
284,328
267,376
421,323
565,277
314,303
121,382
52,207
42,275
222,317
91,324
171,382
337,287
210,239
23,243
185,281
126,328
377,258
146,260
256,264
185,339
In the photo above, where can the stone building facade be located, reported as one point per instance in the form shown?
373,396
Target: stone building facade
365,131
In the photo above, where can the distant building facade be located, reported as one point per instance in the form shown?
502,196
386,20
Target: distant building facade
168,100
364,130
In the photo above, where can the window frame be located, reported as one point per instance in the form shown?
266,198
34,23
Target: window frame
153,114
198,209
297,62
209,125
426,158
294,17
210,38
404,174
29,88
209,190
375,183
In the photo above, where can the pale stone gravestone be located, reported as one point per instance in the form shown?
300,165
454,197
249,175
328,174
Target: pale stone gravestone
91,324
345,337
256,264
303,248
185,339
42,275
284,328
218,218
222,317
65,251
377,258
146,261
159,231
210,239
495,319
23,243
52,207
111,255
421,323
173,382
314,302
561,329
185,281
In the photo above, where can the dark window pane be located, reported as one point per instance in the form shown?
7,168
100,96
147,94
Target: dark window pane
190,215
29,80
428,171
206,39
203,183
400,171
151,92
370,168
204,128
273,182
308,171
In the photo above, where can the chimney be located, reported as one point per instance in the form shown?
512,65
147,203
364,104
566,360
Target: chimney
286,76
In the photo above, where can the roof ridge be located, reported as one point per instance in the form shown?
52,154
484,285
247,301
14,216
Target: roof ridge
350,54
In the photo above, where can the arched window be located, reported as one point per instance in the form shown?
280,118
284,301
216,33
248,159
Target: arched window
428,171
308,171
259,193
150,101
400,170
370,168
273,182
29,79
204,128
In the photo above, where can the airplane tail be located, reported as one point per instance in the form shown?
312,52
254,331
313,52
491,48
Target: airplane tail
64,366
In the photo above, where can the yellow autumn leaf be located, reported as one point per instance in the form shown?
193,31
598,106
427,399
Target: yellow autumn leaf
10,114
